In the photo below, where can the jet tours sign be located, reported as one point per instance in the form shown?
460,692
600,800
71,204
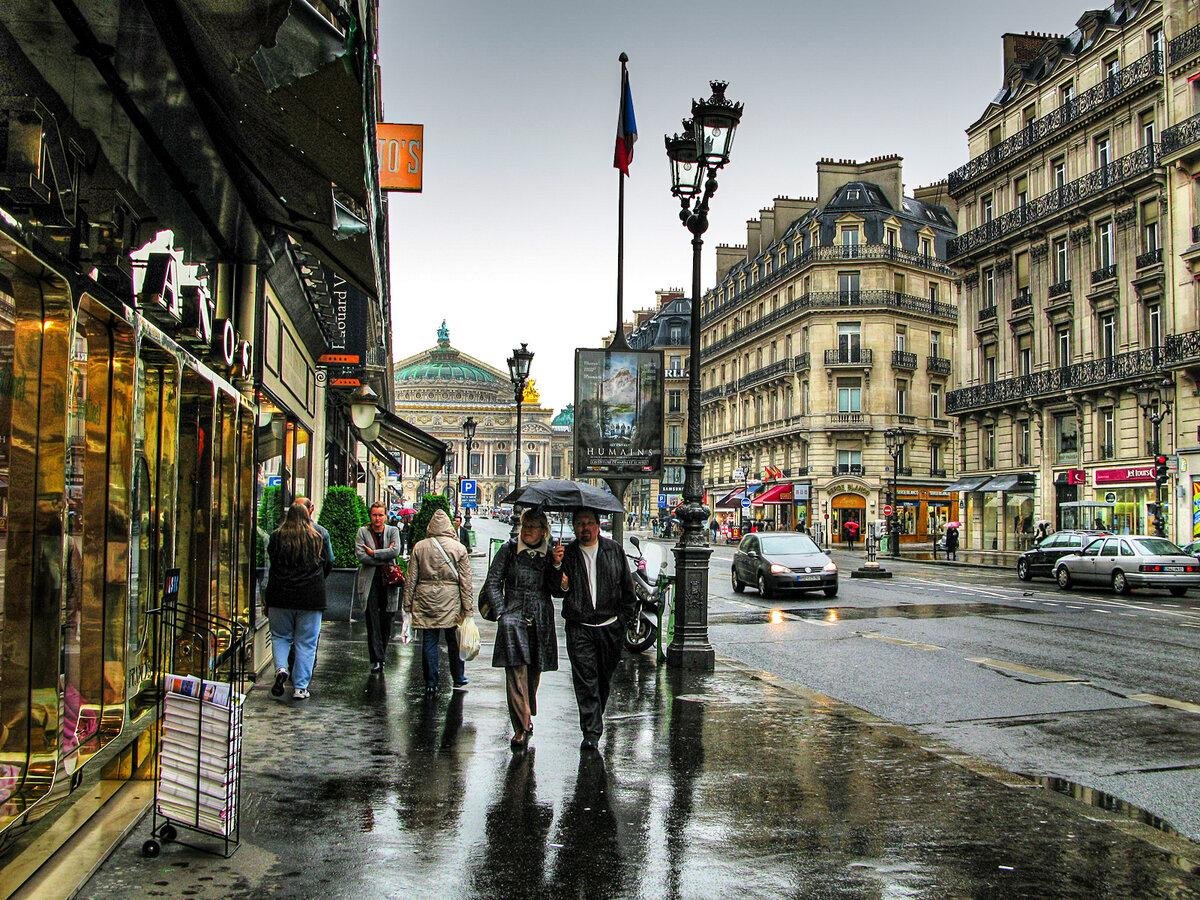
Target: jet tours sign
618,413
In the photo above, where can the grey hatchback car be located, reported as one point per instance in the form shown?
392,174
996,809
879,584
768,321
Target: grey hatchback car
773,561
1130,561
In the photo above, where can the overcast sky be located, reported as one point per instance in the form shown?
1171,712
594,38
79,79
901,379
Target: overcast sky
514,236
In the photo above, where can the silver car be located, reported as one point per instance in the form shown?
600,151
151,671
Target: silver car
1129,561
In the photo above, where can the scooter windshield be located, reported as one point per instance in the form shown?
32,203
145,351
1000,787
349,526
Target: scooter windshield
654,556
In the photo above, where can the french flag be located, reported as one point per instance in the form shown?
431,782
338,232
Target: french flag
626,127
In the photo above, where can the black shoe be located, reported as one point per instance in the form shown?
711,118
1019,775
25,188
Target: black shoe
277,687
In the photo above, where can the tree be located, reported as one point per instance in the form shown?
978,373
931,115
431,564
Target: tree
430,503
342,514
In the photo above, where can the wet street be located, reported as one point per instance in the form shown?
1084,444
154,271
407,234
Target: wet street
859,747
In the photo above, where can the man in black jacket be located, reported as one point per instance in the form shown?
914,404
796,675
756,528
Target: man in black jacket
598,599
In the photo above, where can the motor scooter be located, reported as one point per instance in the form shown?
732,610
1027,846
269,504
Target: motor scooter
652,585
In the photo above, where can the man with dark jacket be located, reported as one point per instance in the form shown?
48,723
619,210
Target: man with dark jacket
597,593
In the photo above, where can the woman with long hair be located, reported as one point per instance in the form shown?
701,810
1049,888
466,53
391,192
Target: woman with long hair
295,598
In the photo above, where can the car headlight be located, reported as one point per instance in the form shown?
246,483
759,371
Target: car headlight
830,568
777,569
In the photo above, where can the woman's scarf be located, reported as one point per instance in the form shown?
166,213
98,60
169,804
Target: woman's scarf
534,550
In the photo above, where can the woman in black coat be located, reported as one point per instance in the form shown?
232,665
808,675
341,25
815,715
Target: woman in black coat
526,643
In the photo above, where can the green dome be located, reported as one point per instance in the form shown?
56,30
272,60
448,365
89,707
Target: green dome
443,363
566,418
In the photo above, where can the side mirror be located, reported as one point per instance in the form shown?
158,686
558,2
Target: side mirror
633,540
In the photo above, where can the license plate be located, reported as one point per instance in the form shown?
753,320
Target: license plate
808,578
1174,568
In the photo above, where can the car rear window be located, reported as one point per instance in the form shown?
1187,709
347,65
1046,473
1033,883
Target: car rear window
1157,547
1073,540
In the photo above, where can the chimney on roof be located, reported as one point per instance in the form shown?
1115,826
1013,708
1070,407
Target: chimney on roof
753,238
728,256
1020,49
766,220
789,209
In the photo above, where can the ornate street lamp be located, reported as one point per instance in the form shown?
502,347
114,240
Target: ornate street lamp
705,145
745,459
1155,400
468,427
518,374
894,438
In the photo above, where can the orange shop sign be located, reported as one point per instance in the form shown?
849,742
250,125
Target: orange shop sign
401,150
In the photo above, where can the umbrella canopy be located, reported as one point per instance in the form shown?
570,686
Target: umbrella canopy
407,511
954,524
560,494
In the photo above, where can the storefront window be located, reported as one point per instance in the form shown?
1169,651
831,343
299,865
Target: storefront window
992,521
1018,521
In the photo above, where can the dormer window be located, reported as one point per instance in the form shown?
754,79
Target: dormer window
853,194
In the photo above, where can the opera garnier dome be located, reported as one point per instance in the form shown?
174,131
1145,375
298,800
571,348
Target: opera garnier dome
439,388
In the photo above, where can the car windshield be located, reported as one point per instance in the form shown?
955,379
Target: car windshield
1157,547
780,544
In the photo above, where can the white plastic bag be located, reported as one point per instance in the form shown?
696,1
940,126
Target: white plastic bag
468,639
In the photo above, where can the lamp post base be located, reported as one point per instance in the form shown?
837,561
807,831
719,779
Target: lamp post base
692,657
689,647
870,570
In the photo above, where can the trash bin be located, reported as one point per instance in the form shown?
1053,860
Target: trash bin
471,537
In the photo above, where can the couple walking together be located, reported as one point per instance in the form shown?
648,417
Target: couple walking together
591,577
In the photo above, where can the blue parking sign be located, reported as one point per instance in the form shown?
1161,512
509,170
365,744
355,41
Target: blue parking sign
662,501
467,487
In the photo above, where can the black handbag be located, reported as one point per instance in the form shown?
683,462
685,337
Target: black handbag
483,603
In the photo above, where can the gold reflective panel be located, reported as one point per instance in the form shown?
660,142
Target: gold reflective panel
194,556
245,514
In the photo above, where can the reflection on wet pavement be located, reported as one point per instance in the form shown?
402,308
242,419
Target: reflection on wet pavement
846,613
721,785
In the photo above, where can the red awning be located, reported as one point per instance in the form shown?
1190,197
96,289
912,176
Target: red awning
779,493
732,500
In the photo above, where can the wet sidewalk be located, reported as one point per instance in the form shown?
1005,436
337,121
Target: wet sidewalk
729,784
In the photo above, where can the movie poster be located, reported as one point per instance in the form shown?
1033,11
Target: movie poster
618,413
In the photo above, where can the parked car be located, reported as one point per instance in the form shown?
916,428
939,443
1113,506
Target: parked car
782,561
1042,559
1192,549
1129,561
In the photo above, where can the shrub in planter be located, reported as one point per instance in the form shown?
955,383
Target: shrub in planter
340,516
430,503
269,515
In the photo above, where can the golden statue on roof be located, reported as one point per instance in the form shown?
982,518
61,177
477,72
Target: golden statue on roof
531,393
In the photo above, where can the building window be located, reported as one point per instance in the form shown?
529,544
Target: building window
1104,244
926,247
849,461
1022,269
1154,325
676,364
500,464
849,395
1024,354
902,398
848,286
531,464
901,337
849,236
476,464
935,459
988,296
986,210
1108,436
1103,151
1112,68
1062,340
989,364
675,440
898,282
935,344
891,237
674,401
676,333
1150,226
1146,127
1062,271
1023,442
1021,190
1156,41
1058,172
933,292
987,447
1108,335
935,401
556,466
995,135
1066,93
849,341
1066,437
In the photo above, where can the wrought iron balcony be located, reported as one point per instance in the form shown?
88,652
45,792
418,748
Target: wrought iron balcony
849,469
800,471
1104,273
904,471
1059,288
902,359
766,373
937,365
1149,258
714,393
1142,71
848,356
865,252
937,473
1181,136
1023,300
1184,45
847,421
1107,451
1183,348
987,314
1116,174
1092,373
801,362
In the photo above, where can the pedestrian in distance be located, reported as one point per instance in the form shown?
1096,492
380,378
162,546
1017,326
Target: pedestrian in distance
518,586
437,597
851,532
464,533
951,543
596,588
295,599
376,546
320,529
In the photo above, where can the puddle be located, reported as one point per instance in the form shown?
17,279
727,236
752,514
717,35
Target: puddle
848,613
1101,800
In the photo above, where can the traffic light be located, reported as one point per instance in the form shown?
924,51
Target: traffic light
1160,468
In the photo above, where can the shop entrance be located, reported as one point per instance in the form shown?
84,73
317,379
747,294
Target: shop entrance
844,508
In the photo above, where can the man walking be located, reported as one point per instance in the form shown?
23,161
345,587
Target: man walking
597,592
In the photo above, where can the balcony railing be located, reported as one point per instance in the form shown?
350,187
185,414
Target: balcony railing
714,393
849,469
766,373
1139,72
904,471
1184,45
937,365
844,356
1104,273
1177,137
801,362
851,420
902,359
1059,288
937,473
1149,258
987,314
1091,373
865,252
819,300
1107,451
1023,300
1093,184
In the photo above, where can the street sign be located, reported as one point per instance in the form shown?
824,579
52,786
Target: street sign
470,504
467,487
274,481
745,503
887,511
662,501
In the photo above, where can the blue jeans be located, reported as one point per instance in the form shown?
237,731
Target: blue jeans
430,638
298,629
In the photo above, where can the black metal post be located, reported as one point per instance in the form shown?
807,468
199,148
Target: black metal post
690,648
467,509
1159,525
893,529
519,393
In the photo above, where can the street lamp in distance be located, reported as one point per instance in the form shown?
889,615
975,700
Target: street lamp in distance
745,459
894,438
518,374
1155,400
468,427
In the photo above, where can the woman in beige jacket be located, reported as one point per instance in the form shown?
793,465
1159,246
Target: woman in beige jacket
438,596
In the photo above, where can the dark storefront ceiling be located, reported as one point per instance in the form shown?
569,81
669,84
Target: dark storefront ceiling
399,435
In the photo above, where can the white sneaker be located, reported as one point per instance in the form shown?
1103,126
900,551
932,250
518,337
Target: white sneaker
300,694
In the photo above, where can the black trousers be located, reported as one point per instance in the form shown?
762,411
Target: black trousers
379,624
594,654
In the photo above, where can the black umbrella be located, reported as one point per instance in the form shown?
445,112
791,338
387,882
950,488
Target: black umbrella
566,496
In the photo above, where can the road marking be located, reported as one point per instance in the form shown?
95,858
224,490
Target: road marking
1167,701
887,638
1005,666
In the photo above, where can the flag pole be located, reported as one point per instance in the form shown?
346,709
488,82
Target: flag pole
618,342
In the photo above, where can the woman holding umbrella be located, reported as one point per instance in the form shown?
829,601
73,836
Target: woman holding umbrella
952,540
518,589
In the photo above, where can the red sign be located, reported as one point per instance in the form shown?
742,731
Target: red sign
401,150
887,511
1124,474
1076,476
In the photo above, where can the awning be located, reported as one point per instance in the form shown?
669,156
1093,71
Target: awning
732,500
776,494
384,456
1015,483
396,434
968,483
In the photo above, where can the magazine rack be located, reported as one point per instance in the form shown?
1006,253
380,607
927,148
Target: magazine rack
198,724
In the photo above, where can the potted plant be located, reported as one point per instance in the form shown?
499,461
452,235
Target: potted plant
343,512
